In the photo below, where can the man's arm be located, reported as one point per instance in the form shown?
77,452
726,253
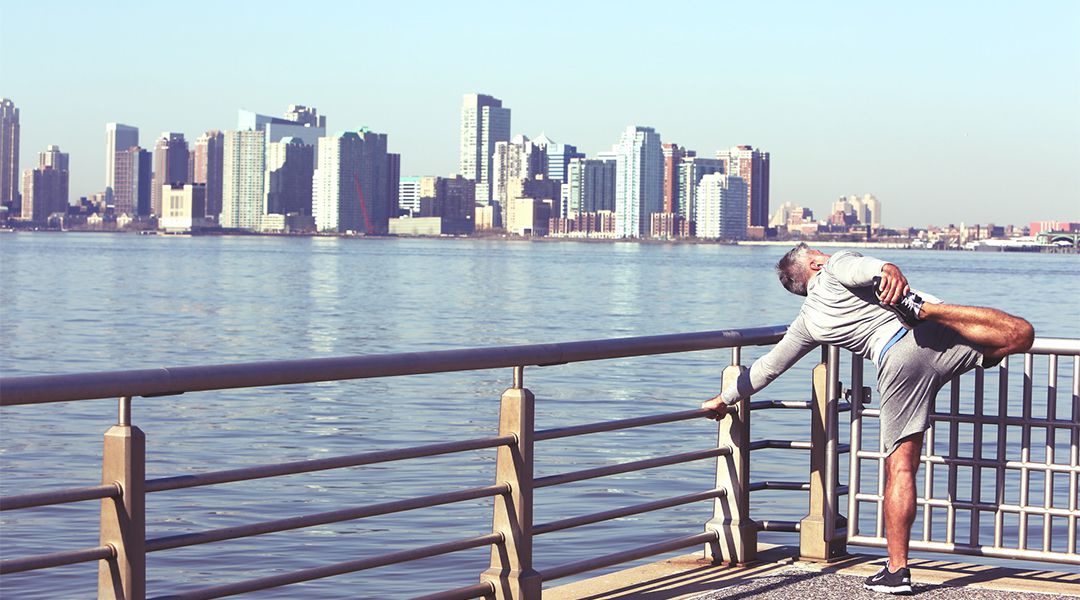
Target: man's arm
795,344
855,270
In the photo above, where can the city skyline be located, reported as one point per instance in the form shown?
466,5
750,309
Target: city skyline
846,99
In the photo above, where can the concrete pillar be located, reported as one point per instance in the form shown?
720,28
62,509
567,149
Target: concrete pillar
731,513
511,570
123,519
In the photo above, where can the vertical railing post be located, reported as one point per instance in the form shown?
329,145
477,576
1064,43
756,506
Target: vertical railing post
123,519
736,532
817,531
511,571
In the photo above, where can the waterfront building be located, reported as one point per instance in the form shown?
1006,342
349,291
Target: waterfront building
243,193
668,226
118,138
789,214
289,173
54,158
393,176
721,207
170,165
691,170
45,192
753,166
484,123
453,199
409,195
9,154
673,158
558,157
852,210
530,216
209,169
639,180
183,207
131,182
590,185
351,183
519,160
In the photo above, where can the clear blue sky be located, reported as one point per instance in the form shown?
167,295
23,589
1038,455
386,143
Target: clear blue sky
947,111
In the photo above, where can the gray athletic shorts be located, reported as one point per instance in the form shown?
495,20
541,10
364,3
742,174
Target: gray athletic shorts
914,369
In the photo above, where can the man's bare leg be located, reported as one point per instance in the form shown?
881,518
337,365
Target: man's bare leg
997,332
900,469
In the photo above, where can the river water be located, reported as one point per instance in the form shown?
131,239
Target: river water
93,302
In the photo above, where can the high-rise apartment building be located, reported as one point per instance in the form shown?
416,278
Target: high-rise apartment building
209,169
452,199
409,195
484,122
351,183
517,159
300,122
558,156
9,154
721,207
131,182
590,186
243,179
289,171
691,170
118,138
170,165
753,166
639,181
45,189
673,158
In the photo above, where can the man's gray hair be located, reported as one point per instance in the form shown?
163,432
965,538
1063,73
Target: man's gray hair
792,270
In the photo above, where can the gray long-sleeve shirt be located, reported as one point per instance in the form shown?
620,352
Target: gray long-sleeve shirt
840,309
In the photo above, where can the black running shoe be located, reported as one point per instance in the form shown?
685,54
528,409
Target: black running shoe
888,582
907,307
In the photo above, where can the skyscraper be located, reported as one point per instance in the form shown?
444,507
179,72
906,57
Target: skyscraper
54,158
518,159
170,165
209,169
9,153
131,182
753,166
691,170
289,171
558,156
118,138
590,186
673,157
639,180
304,115
243,179
45,189
350,187
484,122
721,207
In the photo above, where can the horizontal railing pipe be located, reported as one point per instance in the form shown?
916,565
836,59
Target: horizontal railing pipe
628,467
1061,346
636,509
57,559
323,518
603,426
177,380
971,550
600,562
263,583
322,464
64,496
484,589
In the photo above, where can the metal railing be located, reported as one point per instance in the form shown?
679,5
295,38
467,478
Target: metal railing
730,535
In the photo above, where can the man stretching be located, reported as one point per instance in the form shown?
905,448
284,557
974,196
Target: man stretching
918,344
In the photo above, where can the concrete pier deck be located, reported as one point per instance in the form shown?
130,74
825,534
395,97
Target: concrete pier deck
779,574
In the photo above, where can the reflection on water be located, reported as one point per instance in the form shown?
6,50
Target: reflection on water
102,302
